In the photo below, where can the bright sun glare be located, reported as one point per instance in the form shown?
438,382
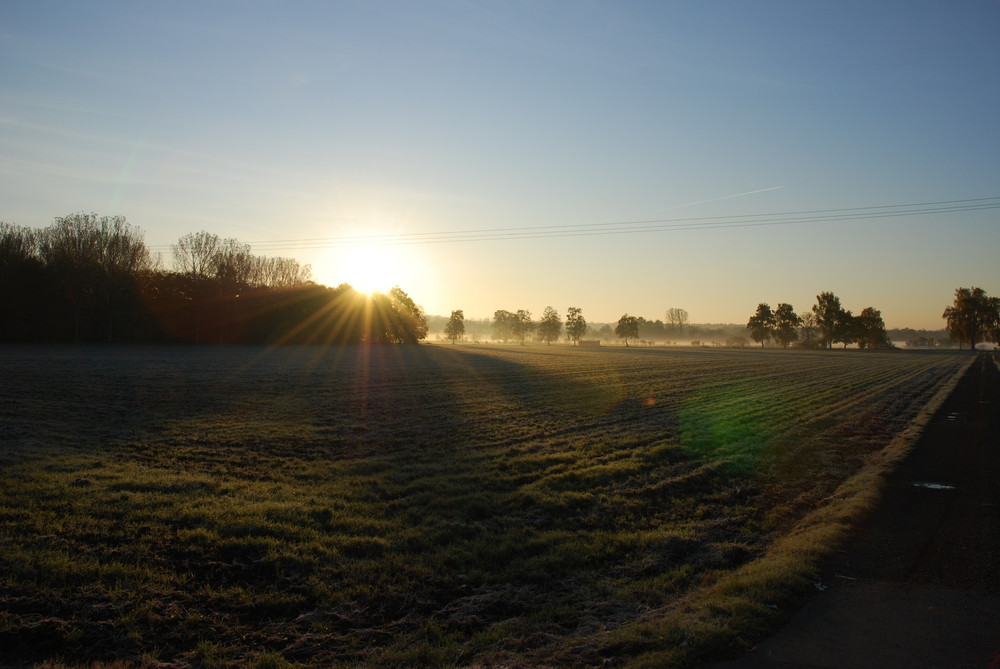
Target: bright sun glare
368,268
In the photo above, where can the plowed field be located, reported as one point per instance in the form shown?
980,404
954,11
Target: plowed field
422,506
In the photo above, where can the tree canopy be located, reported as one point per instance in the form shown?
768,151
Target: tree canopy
627,328
761,324
503,325
786,324
871,329
834,324
973,317
550,326
454,329
576,325
827,311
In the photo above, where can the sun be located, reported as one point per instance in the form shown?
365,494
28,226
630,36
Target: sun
368,268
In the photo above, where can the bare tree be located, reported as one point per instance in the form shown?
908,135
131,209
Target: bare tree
235,266
194,253
98,261
281,272
18,246
21,284
677,318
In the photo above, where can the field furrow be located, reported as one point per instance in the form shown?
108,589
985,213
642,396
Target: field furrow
393,506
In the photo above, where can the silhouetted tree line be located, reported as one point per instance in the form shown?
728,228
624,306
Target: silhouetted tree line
92,279
828,323
518,326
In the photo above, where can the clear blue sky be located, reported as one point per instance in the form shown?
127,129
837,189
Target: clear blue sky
278,122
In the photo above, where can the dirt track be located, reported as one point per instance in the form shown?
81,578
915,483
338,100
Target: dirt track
920,585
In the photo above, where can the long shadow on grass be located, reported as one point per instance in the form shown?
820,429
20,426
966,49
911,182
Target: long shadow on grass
387,505
89,397
594,514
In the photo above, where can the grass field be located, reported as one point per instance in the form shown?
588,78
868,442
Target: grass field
428,505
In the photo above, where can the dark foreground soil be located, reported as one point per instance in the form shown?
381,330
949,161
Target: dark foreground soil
920,585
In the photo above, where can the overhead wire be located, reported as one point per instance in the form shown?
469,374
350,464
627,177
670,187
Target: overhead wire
843,214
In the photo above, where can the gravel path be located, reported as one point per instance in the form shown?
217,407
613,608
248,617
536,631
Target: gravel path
920,585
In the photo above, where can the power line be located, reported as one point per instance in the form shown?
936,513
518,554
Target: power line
636,226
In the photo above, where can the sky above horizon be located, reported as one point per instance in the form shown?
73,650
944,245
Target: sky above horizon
622,157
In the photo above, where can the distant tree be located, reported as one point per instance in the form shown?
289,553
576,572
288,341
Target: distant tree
576,325
677,318
871,329
846,329
454,329
827,311
652,330
993,319
807,330
628,327
503,325
761,324
523,326
969,317
786,324
929,342
550,326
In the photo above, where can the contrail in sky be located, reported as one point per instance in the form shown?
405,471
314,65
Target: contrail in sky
716,199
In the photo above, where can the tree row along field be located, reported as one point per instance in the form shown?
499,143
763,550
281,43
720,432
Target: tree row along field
427,505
